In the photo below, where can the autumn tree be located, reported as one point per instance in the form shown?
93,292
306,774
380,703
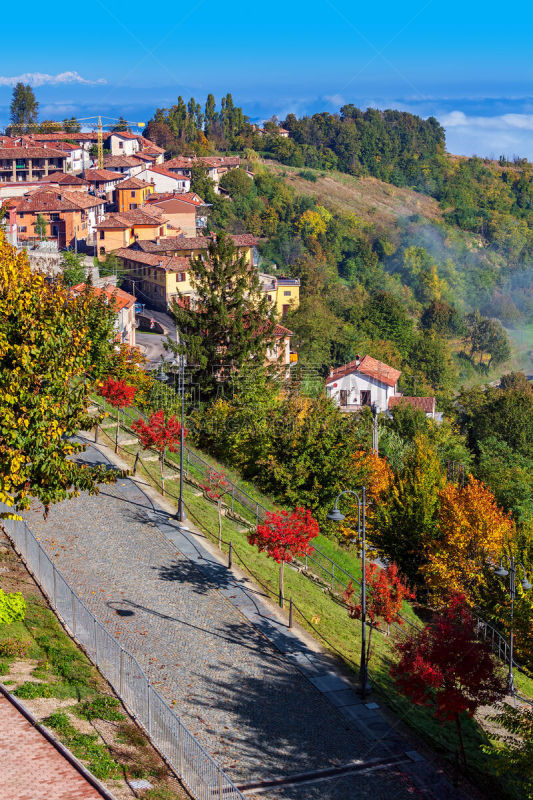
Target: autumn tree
386,592
159,433
471,529
120,394
216,487
45,350
283,536
232,320
445,667
406,522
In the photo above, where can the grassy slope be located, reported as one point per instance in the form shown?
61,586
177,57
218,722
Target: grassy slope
325,618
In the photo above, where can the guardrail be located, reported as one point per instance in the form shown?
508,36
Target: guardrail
194,766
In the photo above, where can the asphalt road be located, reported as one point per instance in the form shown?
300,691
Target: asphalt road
152,344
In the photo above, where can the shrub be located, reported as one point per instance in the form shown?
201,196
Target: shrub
13,648
30,690
12,607
307,175
102,707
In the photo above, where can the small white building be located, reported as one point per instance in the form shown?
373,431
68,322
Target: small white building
165,181
363,382
123,143
124,305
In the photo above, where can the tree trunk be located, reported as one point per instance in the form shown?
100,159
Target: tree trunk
118,428
162,467
219,506
368,644
461,743
281,587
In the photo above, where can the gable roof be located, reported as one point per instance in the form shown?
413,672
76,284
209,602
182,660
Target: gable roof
425,404
168,263
191,243
123,161
31,151
162,171
147,215
367,366
124,134
121,298
102,175
64,179
163,198
133,183
51,199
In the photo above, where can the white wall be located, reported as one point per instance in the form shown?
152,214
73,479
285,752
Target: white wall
165,183
355,383
122,147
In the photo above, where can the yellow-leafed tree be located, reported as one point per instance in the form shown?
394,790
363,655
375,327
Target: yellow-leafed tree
471,530
50,342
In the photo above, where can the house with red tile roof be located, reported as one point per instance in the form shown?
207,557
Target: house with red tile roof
164,180
30,162
117,230
186,211
123,143
127,165
124,305
426,404
103,182
362,382
66,179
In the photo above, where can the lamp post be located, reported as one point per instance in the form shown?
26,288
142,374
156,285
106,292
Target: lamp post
375,433
501,572
336,516
163,378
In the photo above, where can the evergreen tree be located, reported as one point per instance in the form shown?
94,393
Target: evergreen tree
122,125
230,320
23,107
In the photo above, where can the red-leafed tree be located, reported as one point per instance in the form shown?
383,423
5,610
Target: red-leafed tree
120,394
159,433
386,592
446,667
216,487
283,536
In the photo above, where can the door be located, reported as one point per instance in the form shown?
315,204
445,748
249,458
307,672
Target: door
365,398
343,394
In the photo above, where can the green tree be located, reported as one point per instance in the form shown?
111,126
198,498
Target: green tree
405,523
232,320
73,270
23,107
71,125
41,226
504,413
121,125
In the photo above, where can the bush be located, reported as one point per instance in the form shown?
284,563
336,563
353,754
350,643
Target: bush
102,707
13,648
12,607
30,690
307,175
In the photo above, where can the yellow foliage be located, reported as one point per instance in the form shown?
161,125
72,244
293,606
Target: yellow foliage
471,530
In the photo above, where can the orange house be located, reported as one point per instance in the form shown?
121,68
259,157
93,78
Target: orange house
120,230
132,193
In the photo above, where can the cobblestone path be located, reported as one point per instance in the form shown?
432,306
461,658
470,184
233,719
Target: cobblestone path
249,704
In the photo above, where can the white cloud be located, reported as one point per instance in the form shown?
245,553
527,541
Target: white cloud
42,78
505,134
505,122
335,99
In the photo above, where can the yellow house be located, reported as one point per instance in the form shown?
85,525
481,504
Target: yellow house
122,229
155,279
282,292
132,193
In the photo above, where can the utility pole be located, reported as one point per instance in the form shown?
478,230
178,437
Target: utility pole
375,434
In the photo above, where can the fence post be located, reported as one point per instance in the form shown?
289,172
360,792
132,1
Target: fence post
96,433
121,673
135,463
232,496
290,612
73,601
256,513
230,555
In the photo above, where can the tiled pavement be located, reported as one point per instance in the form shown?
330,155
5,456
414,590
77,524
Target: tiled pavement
262,702
31,768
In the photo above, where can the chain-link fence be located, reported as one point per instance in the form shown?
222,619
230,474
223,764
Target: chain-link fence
198,771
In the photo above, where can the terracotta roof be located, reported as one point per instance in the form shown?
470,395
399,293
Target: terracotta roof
367,366
147,215
280,330
192,243
186,197
121,298
123,161
102,175
179,162
133,183
31,151
64,179
145,156
425,404
57,135
220,161
124,134
168,263
162,171
50,199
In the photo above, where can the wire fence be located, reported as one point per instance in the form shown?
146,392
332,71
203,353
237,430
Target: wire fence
328,571
194,766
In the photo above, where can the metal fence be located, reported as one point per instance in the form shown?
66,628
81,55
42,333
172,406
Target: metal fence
196,768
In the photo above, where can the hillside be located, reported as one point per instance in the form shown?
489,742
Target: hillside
375,202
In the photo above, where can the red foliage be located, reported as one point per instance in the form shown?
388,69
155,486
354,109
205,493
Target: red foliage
119,393
217,484
385,598
159,432
445,666
285,535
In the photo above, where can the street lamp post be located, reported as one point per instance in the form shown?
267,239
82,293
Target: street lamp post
162,377
336,516
501,572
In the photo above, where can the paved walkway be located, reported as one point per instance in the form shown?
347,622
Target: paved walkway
261,701
31,768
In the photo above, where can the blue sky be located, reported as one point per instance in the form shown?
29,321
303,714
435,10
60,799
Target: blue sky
468,63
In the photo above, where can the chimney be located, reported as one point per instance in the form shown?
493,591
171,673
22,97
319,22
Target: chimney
44,145
357,360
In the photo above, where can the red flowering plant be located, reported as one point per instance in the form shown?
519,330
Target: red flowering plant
120,394
386,592
283,536
216,487
159,433
446,667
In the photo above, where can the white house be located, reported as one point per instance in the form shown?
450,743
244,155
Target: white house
123,143
361,383
124,304
164,180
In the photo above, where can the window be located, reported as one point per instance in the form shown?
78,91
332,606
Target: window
121,145
182,276
285,309
133,205
343,397
287,294
102,234
132,193
22,229
102,251
365,398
